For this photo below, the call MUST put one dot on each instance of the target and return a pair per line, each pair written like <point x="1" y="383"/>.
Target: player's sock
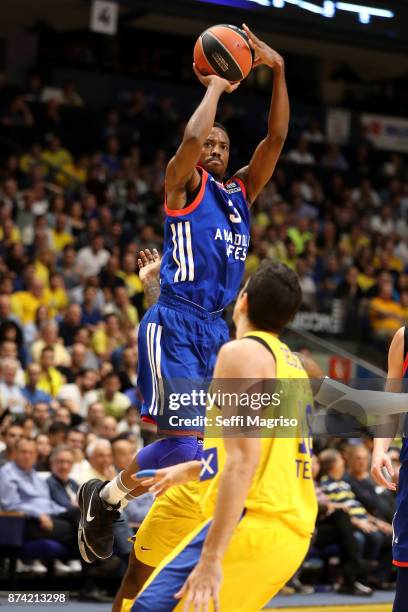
<point x="114" y="491"/>
<point x="129" y="497"/>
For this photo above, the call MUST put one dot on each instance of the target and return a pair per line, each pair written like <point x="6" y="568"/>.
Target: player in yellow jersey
<point x="257" y="505"/>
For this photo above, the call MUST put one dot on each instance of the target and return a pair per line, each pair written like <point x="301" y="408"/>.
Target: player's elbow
<point x="277" y="138"/>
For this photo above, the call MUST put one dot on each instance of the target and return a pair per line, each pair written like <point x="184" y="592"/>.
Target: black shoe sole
<point x="84" y="551"/>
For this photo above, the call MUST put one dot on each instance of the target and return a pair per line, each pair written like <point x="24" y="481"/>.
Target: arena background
<point x="93" y="100"/>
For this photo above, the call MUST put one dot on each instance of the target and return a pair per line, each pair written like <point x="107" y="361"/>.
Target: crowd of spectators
<point x="71" y="226"/>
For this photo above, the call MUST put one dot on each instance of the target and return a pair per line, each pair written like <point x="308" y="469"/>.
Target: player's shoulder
<point x="397" y="343"/>
<point x="243" y="351"/>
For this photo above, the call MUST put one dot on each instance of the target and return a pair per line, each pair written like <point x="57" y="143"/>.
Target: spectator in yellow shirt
<point x="108" y="336"/>
<point x="45" y="261"/>
<point x="24" y="304"/>
<point x="51" y="380"/>
<point x="75" y="171"/>
<point x="55" y="295"/>
<point x="386" y="260"/>
<point x="290" y="258"/>
<point x="355" y="240"/>
<point x="122" y="307"/>
<point x="60" y="236"/>
<point x="114" y="402"/>
<point x="300" y="234"/>
<point x="49" y="337"/>
<point x="404" y="304"/>
<point x="366" y="278"/>
<point x="386" y="314"/>
<point x="9" y="233"/>
<point x="33" y="159"/>
<point x="130" y="274"/>
<point x="56" y="156"/>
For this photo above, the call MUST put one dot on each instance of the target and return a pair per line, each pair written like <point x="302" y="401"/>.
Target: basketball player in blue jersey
<point x="206" y="240"/>
<point x="397" y="372"/>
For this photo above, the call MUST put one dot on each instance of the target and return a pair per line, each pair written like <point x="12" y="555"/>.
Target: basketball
<point x="224" y="50"/>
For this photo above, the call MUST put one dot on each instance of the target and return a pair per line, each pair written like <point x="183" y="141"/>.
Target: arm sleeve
<point x="340" y="397"/>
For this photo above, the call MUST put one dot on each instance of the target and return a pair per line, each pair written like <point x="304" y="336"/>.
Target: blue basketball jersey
<point x="400" y="520"/>
<point x="404" y="448"/>
<point x="206" y="244"/>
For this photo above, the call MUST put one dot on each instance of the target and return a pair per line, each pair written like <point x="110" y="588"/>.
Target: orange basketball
<point x="224" y="50"/>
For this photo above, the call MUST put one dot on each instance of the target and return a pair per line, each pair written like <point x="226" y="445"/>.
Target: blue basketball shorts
<point x="178" y="345"/>
<point x="170" y="451"/>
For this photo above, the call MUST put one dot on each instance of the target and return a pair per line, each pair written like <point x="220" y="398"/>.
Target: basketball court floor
<point x="317" y="602"/>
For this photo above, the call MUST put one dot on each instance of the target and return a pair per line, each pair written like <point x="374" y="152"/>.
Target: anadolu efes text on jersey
<point x="206" y="244"/>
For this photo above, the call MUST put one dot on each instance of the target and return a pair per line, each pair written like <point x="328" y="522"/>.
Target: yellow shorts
<point x="171" y="517"/>
<point x="262" y="556"/>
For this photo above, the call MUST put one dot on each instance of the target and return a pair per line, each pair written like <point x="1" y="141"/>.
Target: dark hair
<point x="327" y="459"/>
<point x="219" y="125"/>
<point x="6" y="325"/>
<point x="120" y="437"/>
<point x="108" y="376"/>
<point x="62" y="448"/>
<point x="131" y="407"/>
<point x="76" y="430"/>
<point x="22" y="420"/>
<point x="58" y="427"/>
<point x="274" y="296"/>
<point x="46" y="348"/>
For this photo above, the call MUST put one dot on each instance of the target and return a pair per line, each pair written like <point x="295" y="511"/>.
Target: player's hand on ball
<point x="209" y="79"/>
<point x="264" y="54"/>
<point x="202" y="587"/>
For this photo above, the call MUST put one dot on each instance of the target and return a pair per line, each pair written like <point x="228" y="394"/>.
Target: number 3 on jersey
<point x="235" y="217"/>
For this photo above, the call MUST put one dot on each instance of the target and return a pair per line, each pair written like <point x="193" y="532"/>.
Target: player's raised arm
<point x="181" y="173"/>
<point x="260" y="169"/>
<point x="380" y="458"/>
<point x="149" y="274"/>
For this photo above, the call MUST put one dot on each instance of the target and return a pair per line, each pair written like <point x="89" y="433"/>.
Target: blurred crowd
<point x="71" y="225"/>
<point x="353" y="532"/>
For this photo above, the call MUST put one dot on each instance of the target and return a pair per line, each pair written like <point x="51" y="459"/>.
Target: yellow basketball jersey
<point x="282" y="487"/>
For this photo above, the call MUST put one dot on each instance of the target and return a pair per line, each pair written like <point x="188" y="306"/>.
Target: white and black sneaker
<point x="95" y="531"/>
